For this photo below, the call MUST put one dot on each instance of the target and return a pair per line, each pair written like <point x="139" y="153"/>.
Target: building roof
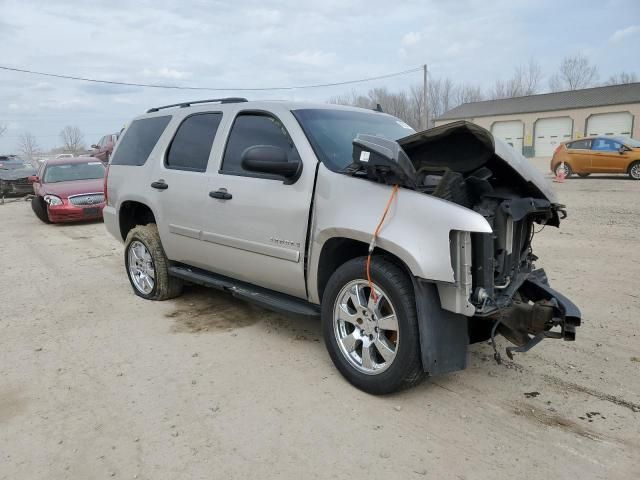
<point x="547" y="102"/>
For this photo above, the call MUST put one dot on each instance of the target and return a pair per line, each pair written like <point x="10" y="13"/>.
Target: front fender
<point x="416" y="229"/>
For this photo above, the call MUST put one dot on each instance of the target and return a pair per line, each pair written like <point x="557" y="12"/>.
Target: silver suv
<point x="409" y="246"/>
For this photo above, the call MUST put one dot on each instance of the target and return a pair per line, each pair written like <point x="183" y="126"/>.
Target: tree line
<point x="575" y="72"/>
<point x="72" y="142"/>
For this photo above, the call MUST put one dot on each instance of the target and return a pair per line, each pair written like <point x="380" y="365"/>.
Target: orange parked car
<point x="598" y="155"/>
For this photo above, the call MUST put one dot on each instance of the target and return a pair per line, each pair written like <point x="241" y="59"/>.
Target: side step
<point x="264" y="297"/>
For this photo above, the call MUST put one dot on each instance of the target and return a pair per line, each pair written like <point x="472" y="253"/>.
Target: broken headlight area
<point x="496" y="284"/>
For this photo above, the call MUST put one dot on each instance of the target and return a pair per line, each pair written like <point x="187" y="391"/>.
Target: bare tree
<point x="525" y="81"/>
<point x="28" y="146"/>
<point x="442" y="95"/>
<point x="72" y="139"/>
<point x="466" y="93"/>
<point x="531" y="77"/>
<point x="575" y="72"/>
<point x="3" y="128"/>
<point x="621" y="78"/>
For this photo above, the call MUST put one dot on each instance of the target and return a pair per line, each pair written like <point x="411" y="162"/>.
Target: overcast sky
<point x="278" y="43"/>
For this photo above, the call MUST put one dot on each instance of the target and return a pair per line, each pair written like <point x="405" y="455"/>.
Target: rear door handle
<point x="159" y="185"/>
<point x="221" y="194"/>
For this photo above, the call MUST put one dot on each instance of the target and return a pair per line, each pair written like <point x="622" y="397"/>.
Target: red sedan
<point x="69" y="190"/>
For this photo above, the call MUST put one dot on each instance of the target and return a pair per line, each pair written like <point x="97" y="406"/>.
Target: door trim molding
<point x="254" y="247"/>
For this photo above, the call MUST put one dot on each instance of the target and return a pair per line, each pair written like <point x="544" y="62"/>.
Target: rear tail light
<point x="106" y="194"/>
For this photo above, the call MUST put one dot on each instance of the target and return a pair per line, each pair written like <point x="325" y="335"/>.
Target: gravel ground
<point x="98" y="383"/>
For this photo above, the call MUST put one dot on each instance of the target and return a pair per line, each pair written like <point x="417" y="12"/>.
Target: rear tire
<point x="39" y="207"/>
<point x="145" y="240"/>
<point x="401" y="366"/>
<point x="634" y="171"/>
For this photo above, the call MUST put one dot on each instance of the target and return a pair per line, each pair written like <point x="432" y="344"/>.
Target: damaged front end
<point x="14" y="177"/>
<point x="496" y="283"/>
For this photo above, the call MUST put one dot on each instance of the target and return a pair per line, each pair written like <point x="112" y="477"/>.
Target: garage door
<point x="618" y="124"/>
<point x="549" y="132"/>
<point x="511" y="132"/>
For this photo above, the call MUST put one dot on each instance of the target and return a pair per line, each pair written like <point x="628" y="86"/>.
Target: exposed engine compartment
<point x="462" y="163"/>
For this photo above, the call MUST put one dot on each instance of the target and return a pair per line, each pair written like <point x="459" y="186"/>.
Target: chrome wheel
<point x="565" y="169"/>
<point x="635" y="171"/>
<point x="366" y="328"/>
<point x="141" y="268"/>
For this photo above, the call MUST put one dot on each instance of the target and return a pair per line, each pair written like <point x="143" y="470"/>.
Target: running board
<point x="264" y="297"/>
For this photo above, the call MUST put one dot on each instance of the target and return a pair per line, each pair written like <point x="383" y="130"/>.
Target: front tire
<point x="148" y="266"/>
<point x="373" y="343"/>
<point x="39" y="207"/>
<point x="634" y="171"/>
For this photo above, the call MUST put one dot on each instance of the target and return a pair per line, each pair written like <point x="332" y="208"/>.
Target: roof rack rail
<point x="188" y="104"/>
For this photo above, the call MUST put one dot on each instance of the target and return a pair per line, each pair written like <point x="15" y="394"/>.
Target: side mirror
<point x="622" y="150"/>
<point x="33" y="179"/>
<point x="95" y="146"/>
<point x="271" y="160"/>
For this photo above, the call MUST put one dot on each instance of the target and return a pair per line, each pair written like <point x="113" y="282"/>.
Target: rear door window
<point x="191" y="145"/>
<point x="579" y="145"/>
<point x="139" y="140"/>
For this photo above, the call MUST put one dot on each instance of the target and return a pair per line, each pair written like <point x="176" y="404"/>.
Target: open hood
<point x="460" y="149"/>
<point x="465" y="147"/>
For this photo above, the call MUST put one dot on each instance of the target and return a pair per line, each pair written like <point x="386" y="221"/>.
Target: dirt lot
<point x="97" y="383"/>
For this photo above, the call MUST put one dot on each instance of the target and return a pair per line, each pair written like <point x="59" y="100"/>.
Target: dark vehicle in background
<point x="14" y="174"/>
<point x="598" y="155"/>
<point x="69" y="190"/>
<point x="104" y="148"/>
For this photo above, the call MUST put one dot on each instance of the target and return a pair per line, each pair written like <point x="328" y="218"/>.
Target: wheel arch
<point x="132" y="213"/>
<point x="336" y="251"/>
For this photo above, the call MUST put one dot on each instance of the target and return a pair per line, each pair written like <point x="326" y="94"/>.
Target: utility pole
<point x="424" y="97"/>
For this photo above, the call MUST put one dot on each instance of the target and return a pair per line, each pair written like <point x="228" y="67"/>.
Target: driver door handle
<point x="221" y="194"/>
<point x="159" y="185"/>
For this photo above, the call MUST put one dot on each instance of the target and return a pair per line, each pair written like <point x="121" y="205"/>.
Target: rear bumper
<point x="71" y="213"/>
<point x="110" y="217"/>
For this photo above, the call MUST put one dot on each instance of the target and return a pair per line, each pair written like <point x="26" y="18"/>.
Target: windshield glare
<point x="630" y="142"/>
<point x="67" y="172"/>
<point x="331" y="132"/>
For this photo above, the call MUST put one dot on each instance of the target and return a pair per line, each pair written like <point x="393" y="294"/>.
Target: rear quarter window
<point x="142" y="135"/>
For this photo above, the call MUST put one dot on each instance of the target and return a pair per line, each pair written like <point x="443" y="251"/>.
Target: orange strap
<point x="372" y="245"/>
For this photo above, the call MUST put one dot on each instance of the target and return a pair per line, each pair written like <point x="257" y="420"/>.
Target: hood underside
<point x="465" y="147"/>
<point x="460" y="147"/>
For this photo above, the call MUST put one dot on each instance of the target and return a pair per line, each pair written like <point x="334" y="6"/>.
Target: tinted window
<point x="579" y="144"/>
<point x="67" y="172"/>
<point x="191" y="146"/>
<point x="138" y="141"/>
<point x="605" y="145"/>
<point x="254" y="129"/>
<point x="331" y="132"/>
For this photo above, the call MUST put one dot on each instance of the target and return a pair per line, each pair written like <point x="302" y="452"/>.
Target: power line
<point x="239" y="89"/>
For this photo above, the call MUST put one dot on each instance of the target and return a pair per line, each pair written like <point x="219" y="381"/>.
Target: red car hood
<point x="76" y="187"/>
